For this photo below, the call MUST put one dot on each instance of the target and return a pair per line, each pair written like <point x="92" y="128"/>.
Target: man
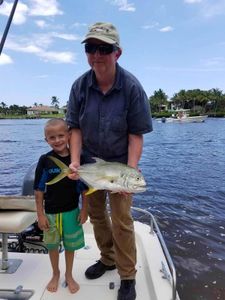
<point x="108" y="113"/>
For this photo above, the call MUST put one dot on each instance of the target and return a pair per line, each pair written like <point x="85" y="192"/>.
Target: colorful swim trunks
<point x="64" y="227"/>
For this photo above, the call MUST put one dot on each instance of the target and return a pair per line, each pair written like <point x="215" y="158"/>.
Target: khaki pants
<point x="114" y="238"/>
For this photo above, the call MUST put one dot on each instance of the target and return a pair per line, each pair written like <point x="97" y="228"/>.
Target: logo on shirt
<point x="54" y="171"/>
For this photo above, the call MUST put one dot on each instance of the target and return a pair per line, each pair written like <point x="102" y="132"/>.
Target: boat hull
<point x="195" y="119"/>
<point x="153" y="281"/>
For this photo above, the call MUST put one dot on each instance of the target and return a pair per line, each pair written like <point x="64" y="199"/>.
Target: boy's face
<point x="57" y="136"/>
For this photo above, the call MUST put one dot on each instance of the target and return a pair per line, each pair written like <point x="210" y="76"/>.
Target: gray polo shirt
<point x="105" y="120"/>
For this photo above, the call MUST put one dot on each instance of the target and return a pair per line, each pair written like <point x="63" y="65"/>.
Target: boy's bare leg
<point x="53" y="283"/>
<point x="72" y="284"/>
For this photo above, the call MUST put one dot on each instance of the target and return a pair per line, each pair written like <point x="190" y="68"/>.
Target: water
<point x="184" y="165"/>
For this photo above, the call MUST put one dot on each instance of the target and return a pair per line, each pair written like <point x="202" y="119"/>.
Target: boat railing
<point x="154" y="228"/>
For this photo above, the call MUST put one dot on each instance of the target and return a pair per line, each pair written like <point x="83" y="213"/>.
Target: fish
<point x="102" y="175"/>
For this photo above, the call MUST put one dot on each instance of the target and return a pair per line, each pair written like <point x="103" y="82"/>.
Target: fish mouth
<point x="140" y="188"/>
<point x="143" y="185"/>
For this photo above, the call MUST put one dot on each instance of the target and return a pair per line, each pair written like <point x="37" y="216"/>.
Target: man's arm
<point x="135" y="146"/>
<point x="84" y="209"/>
<point x="75" y="151"/>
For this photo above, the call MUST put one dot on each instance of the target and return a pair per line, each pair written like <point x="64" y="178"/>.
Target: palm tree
<point x="179" y="99"/>
<point x="218" y="98"/>
<point x="158" y="100"/>
<point x="3" y="107"/>
<point x="55" y="101"/>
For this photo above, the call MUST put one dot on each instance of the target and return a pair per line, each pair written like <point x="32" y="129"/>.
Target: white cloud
<point x="124" y="5"/>
<point x="44" y="8"/>
<point x="43" y="76"/>
<point x="40" y="40"/>
<point x="31" y="47"/>
<point x="66" y="36"/>
<point x="20" y="14"/>
<point x="57" y="57"/>
<point x="187" y="69"/>
<point x="209" y="8"/>
<point x="45" y="25"/>
<point x="214" y="61"/>
<point x="36" y="8"/>
<point x="151" y="26"/>
<point x="22" y="47"/>
<point x="77" y="24"/>
<point x="192" y="1"/>
<point x="166" y="29"/>
<point x="41" y="24"/>
<point x="5" y="59"/>
<point x="213" y="8"/>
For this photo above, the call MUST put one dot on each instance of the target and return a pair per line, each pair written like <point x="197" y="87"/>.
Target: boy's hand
<point x="74" y="171"/>
<point x="82" y="218"/>
<point x="43" y="223"/>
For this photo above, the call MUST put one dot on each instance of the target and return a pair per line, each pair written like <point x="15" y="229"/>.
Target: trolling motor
<point x="8" y="24"/>
<point x="28" y="181"/>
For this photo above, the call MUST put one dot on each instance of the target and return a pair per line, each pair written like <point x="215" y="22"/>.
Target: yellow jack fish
<point x="102" y="175"/>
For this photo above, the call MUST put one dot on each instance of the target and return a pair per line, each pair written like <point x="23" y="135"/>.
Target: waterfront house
<point x="42" y="109"/>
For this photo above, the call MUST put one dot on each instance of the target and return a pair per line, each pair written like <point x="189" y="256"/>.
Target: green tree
<point x="55" y="101"/>
<point x="158" y="101"/>
<point x="3" y="107"/>
<point x="218" y="99"/>
<point x="179" y="99"/>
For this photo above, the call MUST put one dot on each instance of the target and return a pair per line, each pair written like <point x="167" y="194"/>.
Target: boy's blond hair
<point x="54" y="122"/>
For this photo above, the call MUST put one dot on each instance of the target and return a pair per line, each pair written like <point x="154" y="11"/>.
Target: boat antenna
<point x="8" y="24"/>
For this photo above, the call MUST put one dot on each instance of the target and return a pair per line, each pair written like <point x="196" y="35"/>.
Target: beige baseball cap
<point x="105" y="32"/>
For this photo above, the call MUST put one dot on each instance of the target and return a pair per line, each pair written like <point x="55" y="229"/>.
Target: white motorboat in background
<point x="182" y="116"/>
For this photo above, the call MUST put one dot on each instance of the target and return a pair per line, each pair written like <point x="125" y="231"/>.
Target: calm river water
<point x="184" y="165"/>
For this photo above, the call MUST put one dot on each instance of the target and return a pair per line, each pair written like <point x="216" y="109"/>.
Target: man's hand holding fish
<point x="74" y="171"/>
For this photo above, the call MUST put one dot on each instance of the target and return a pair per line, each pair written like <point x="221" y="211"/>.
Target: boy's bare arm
<point x="43" y="223"/>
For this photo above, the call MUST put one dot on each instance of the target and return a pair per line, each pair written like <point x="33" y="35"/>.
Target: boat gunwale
<point x="154" y="228"/>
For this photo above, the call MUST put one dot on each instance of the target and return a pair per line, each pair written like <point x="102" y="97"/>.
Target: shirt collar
<point x="117" y="85"/>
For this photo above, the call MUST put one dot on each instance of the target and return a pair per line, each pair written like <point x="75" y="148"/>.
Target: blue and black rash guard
<point x="61" y="196"/>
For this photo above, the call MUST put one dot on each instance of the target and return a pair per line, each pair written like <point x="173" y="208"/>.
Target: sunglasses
<point x="103" y="49"/>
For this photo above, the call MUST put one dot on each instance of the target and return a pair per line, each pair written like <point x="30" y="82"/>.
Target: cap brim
<point x="103" y="39"/>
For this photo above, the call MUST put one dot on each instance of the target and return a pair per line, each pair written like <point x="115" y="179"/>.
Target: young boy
<point x="57" y="205"/>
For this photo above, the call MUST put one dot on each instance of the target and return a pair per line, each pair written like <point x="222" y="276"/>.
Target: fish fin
<point x="90" y="191"/>
<point x="63" y="167"/>
<point x="57" y="178"/>
<point x="59" y="163"/>
<point x="99" y="160"/>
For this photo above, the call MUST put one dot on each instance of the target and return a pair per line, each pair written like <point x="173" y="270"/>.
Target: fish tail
<point x="64" y="170"/>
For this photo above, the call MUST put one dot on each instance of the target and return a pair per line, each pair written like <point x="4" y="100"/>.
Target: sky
<point x="167" y="44"/>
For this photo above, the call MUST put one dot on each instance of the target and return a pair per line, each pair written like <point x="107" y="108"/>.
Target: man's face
<point x="101" y="61"/>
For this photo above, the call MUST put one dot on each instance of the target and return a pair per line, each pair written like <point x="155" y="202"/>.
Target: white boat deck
<point x="35" y="272"/>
